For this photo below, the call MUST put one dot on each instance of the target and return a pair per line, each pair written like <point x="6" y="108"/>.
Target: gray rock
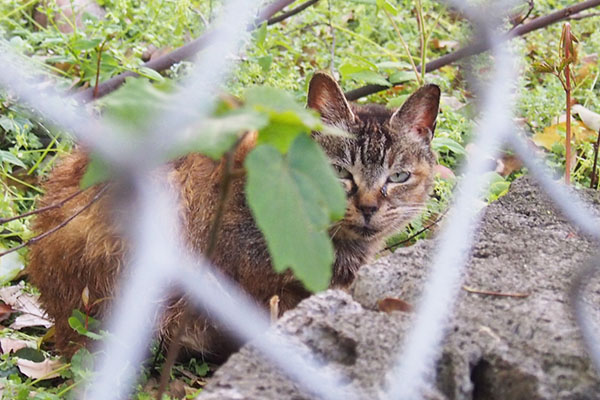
<point x="497" y="347"/>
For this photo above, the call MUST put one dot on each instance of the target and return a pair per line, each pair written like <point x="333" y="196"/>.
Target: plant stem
<point x="594" y="180"/>
<point x="567" y="46"/>
<point x="412" y="62"/>
<point x="421" y="25"/>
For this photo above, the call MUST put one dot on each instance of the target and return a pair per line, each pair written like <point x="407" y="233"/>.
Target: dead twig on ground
<point x="494" y="293"/>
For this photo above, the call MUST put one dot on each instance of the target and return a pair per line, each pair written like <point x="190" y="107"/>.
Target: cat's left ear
<point x="327" y="97"/>
<point x="418" y="114"/>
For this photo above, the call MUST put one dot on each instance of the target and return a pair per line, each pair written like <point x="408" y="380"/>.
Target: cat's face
<point x="386" y="165"/>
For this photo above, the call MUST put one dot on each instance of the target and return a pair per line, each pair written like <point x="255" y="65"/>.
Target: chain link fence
<point x="160" y="260"/>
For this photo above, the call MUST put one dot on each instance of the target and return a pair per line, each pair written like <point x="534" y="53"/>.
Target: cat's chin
<point x="362" y="231"/>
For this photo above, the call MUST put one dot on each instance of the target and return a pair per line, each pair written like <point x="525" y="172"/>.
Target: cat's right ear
<point x="327" y="97"/>
<point x="418" y="114"/>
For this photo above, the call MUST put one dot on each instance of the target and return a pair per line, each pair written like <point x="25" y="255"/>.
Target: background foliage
<point x="357" y="40"/>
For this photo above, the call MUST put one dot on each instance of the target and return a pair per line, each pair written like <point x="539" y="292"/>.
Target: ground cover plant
<point x="359" y="41"/>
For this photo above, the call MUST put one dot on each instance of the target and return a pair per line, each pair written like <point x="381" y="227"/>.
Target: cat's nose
<point x="367" y="211"/>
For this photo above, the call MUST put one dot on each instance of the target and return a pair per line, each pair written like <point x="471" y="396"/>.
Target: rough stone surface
<point x="497" y="347"/>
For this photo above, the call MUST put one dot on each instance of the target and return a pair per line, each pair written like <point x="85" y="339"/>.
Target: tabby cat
<point x="385" y="165"/>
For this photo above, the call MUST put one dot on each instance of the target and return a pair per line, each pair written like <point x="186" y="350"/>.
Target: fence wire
<point x="160" y="260"/>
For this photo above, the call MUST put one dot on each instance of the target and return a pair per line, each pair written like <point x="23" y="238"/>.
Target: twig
<point x="527" y="14"/>
<point x="59" y="226"/>
<point x="98" y="61"/>
<point x="185" y="52"/>
<point x="412" y="62"/>
<point x="493" y="293"/>
<point x="293" y="11"/>
<point x="594" y="182"/>
<point x="43" y="209"/>
<point x="175" y="345"/>
<point x="568" y="42"/>
<point x="332" y="32"/>
<point x="481" y="46"/>
<point x="580" y="16"/>
<point x="400" y="243"/>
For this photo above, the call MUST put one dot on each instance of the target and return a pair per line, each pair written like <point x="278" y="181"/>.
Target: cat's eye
<point x="399" y="177"/>
<point x="342" y="172"/>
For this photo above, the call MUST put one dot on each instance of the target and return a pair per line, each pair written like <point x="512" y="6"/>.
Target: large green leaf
<point x="215" y="135"/>
<point x="294" y="198"/>
<point x="287" y="118"/>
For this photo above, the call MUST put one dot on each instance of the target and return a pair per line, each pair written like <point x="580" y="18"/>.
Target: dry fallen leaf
<point x="10" y="345"/>
<point x="42" y="370"/>
<point x="5" y="311"/>
<point x="552" y="134"/>
<point x="390" y="304"/>
<point x="33" y="315"/>
<point x="507" y="164"/>
<point x="590" y="119"/>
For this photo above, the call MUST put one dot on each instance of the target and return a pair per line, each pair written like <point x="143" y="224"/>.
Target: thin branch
<point x="410" y="58"/>
<point x="332" y="32"/>
<point x="400" y="243"/>
<point x="527" y="14"/>
<point x="58" y="204"/>
<point x="494" y="293"/>
<point x="185" y="52"/>
<point x="567" y="44"/>
<point x="481" y="46"/>
<point x="213" y="236"/>
<point x="293" y="11"/>
<point x="98" y="62"/>
<point x="59" y="226"/>
<point x="581" y="16"/>
<point x="594" y="182"/>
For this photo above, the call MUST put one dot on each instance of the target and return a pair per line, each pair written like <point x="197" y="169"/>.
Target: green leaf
<point x="293" y="199"/>
<point x="150" y="74"/>
<point x="10" y="158"/>
<point x="287" y="118"/>
<point x="10" y="265"/>
<point x="387" y="6"/>
<point x="202" y="369"/>
<point x="269" y="98"/>
<point x="97" y="171"/>
<point x="447" y="144"/>
<point x="85" y="44"/>
<point x="135" y="103"/>
<point x="77" y="322"/>
<point x="348" y="69"/>
<point x="370" y="77"/>
<point x="82" y="365"/>
<point x="498" y="186"/>
<point x="216" y="135"/>
<point x="397" y="101"/>
<point x="402" y="76"/>
<point x="261" y="35"/>
<point x="283" y="128"/>
<point x="31" y="354"/>
<point x="393" y="65"/>
<point x="265" y="62"/>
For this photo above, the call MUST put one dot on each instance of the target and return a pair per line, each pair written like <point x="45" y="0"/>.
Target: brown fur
<point x="89" y="251"/>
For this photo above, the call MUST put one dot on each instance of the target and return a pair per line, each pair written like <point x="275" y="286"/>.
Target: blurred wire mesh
<point x="156" y="247"/>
